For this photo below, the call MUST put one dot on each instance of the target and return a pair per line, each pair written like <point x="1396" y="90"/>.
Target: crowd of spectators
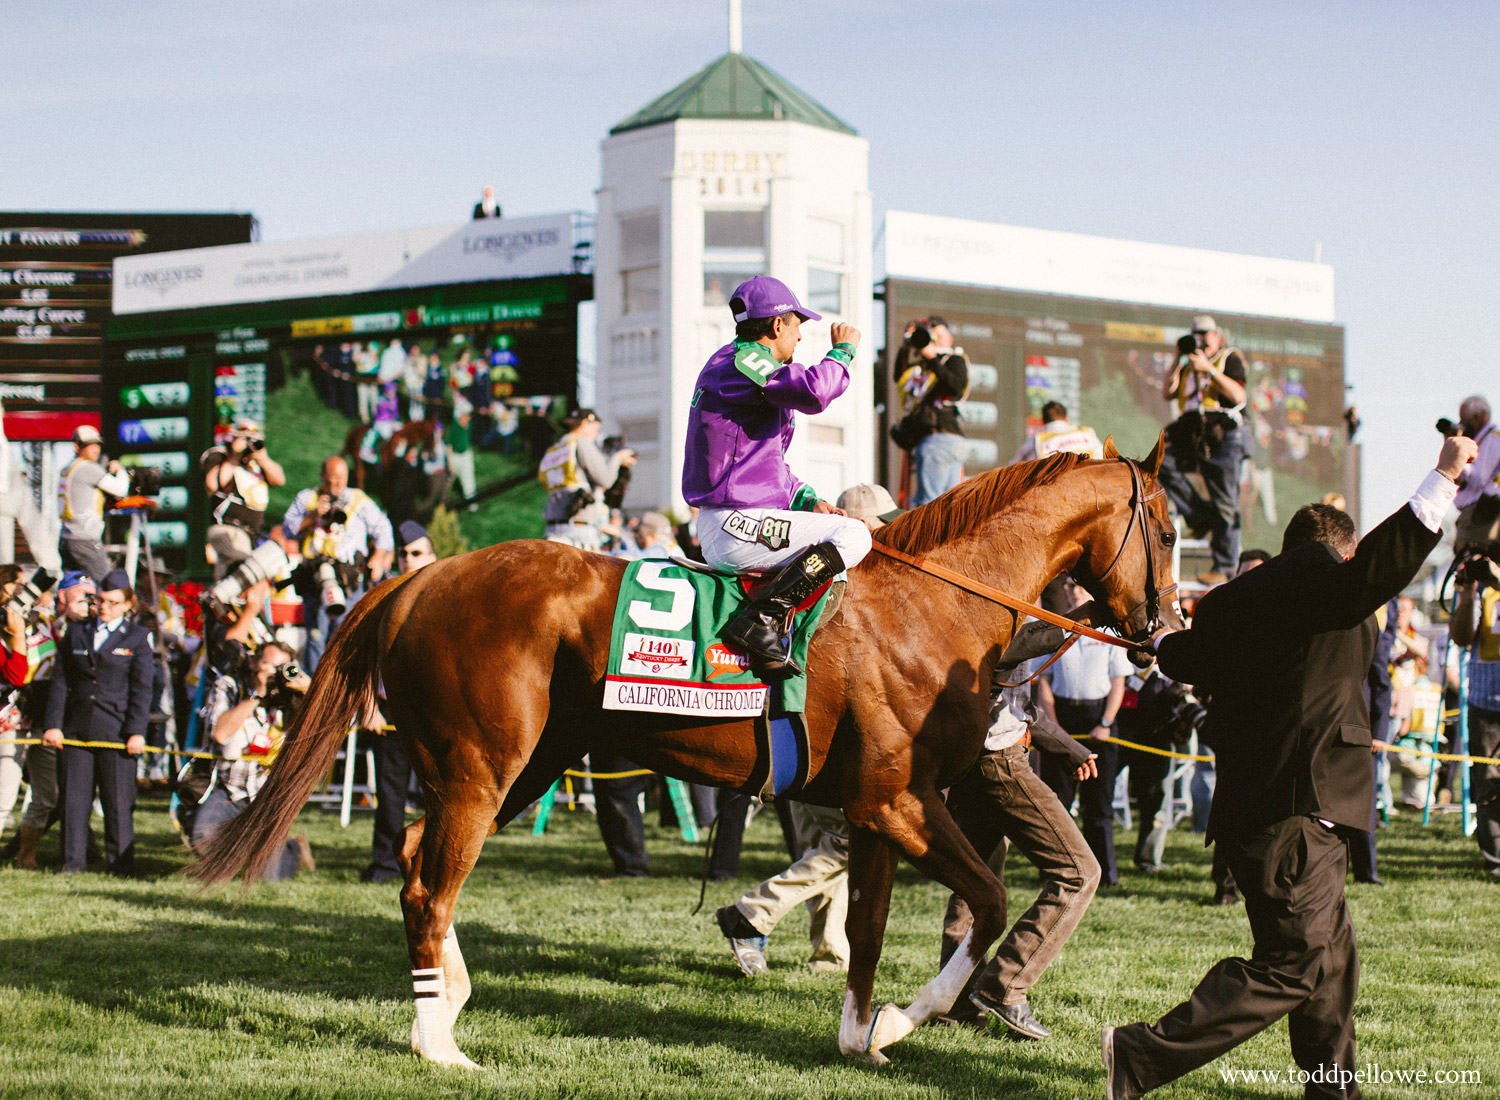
<point x="97" y="660"/>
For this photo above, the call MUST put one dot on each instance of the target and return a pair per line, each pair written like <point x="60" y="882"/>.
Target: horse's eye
<point x="1169" y="539"/>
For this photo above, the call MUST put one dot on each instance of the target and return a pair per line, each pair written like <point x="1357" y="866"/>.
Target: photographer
<point x="1478" y="499"/>
<point x="238" y="475"/>
<point x="74" y="602"/>
<point x="576" y="474"/>
<point x="1474" y="627"/>
<point x="933" y="376"/>
<point x="101" y="691"/>
<point x="245" y="714"/>
<point x="85" y="484"/>
<point x="1209" y="436"/>
<point x="14" y="666"/>
<point x="335" y="526"/>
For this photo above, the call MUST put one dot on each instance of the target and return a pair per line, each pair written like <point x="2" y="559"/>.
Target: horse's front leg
<point x="931" y="840"/>
<point x="872" y="869"/>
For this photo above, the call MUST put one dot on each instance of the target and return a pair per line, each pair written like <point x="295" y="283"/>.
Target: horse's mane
<point x="962" y="509"/>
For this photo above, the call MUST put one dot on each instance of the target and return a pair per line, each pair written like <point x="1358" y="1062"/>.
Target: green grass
<point x="301" y="432"/>
<point x="586" y="988"/>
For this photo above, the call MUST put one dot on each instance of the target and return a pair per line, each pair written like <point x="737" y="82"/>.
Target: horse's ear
<point x="1110" y="451"/>
<point x="1152" y="462"/>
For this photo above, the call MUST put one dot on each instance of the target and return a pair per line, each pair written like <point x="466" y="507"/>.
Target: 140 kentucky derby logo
<point x="650" y="655"/>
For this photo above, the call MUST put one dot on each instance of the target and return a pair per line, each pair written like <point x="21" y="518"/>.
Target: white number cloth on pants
<point x="767" y="538"/>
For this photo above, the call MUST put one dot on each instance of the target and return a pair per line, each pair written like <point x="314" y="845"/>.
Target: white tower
<point x="732" y="173"/>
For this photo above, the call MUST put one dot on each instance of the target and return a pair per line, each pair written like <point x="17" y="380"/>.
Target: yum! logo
<point x="725" y="662"/>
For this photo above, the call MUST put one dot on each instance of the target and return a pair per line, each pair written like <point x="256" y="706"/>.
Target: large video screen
<point x="175" y="383"/>
<point x="1106" y="361"/>
<point x="55" y="282"/>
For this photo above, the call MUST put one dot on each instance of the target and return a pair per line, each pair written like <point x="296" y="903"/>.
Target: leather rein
<point x="1138" y="502"/>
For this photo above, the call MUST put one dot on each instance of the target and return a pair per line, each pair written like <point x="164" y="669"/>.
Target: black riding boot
<point x="757" y="628"/>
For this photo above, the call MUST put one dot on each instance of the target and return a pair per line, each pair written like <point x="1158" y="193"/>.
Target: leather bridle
<point x="1140" y="517"/>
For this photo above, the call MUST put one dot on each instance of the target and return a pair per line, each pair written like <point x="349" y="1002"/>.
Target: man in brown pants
<point x="1001" y="801"/>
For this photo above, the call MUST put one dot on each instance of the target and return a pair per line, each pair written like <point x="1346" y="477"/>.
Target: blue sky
<point x="1264" y="128"/>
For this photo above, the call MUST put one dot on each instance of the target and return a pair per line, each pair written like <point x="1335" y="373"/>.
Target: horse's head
<point x="1126" y="563"/>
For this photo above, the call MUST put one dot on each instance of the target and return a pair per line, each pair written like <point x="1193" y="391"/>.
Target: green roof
<point x="734" y="86"/>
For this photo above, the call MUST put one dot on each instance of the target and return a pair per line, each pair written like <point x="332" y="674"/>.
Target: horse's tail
<point x="342" y="692"/>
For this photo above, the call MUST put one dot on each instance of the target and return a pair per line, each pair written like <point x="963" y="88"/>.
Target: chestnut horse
<point x="493" y="665"/>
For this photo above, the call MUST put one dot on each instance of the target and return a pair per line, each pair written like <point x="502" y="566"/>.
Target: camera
<point x="1185" y="716"/>
<point x="1448" y="429"/>
<point x="145" y="481"/>
<point x="1190" y="342"/>
<point x="267" y="560"/>
<point x="30" y="591"/>
<point x="335" y="516"/>
<point x="332" y="591"/>
<point x="920" y="336"/>
<point x="1477" y="569"/>
<point x="279" y="692"/>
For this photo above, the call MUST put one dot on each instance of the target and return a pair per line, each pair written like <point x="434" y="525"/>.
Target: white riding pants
<point x="766" y="538"/>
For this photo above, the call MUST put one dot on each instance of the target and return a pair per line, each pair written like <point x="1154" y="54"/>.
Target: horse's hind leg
<point x="872" y="869"/>
<point x="456" y="987"/>
<point x="446" y="846"/>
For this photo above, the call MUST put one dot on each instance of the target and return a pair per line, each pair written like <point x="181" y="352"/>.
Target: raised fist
<point x="843" y="333"/>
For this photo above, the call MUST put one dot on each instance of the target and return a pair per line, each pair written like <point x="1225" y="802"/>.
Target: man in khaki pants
<point x="820" y="879"/>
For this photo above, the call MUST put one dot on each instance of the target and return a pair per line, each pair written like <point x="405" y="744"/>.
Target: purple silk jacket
<point x="742" y="422"/>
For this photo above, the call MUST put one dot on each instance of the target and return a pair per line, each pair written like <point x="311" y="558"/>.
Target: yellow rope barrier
<point x="1204" y="759"/>
<point x="108" y="745"/>
<point x="1443" y="755"/>
<point x="1142" y="748"/>
<point x="608" y="775"/>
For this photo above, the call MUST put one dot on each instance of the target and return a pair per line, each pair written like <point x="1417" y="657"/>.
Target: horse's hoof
<point x="453" y="1058"/>
<point x="869" y="1057"/>
<point x="890" y="1024"/>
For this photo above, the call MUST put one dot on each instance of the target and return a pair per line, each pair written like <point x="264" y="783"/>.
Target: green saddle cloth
<point x="665" y="656"/>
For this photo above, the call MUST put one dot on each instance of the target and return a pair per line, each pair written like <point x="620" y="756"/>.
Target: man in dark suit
<point x="1285" y="649"/>
<point x="101" y="691"/>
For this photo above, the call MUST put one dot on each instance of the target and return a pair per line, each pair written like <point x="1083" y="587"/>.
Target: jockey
<point x="754" y="514"/>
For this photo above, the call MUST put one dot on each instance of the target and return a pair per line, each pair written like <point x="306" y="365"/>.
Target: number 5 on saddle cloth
<point x="665" y="657"/>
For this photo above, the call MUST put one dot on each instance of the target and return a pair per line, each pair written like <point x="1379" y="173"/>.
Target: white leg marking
<point x="434" y="1030"/>
<point x="854" y="1034"/>
<point x="935" y="998"/>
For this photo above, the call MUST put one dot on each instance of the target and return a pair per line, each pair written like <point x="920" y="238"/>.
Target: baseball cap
<point x="72" y="579"/>
<point x="85" y="434"/>
<point x="1204" y="323"/>
<point x="869" y="502"/>
<point x="764" y="296"/>
<point x="655" y="521"/>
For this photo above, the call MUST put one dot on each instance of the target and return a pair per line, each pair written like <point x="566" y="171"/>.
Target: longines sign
<point x="473" y="251"/>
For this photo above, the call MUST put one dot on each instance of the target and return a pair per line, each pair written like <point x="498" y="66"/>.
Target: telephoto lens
<point x="333" y="592"/>
<point x="265" y="563"/>
<point x="30" y="591"/>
